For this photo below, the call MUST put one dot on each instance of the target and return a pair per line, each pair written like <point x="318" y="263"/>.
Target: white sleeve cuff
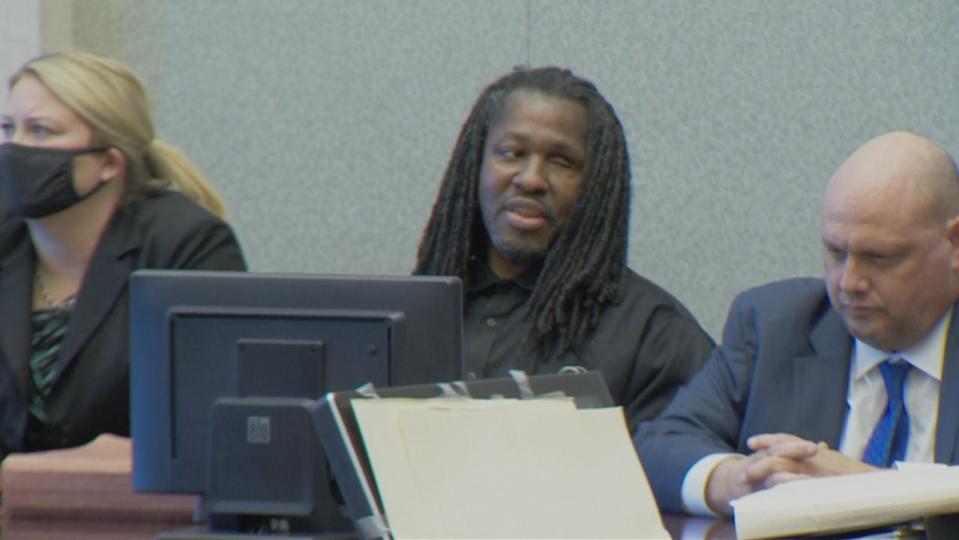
<point x="694" y="485"/>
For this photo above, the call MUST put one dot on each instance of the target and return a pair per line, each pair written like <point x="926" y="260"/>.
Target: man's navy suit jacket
<point x="783" y="367"/>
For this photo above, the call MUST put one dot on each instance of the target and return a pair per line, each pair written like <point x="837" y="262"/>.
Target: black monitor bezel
<point x="154" y="294"/>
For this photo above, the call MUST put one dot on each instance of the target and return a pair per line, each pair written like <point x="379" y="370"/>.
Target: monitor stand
<point x="275" y="502"/>
<point x="202" y="533"/>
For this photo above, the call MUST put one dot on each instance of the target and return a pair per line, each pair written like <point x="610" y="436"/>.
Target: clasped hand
<point x="776" y="458"/>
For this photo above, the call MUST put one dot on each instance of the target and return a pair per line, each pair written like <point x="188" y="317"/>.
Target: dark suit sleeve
<point x="705" y="416"/>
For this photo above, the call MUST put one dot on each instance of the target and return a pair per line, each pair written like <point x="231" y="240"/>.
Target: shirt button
<point x="471" y="376"/>
<point x="491" y="322"/>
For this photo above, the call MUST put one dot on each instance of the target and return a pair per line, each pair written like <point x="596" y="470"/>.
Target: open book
<point x="494" y="468"/>
<point x="848" y="503"/>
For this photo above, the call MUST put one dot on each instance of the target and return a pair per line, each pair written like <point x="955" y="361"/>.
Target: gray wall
<point x="19" y="37"/>
<point x="326" y="124"/>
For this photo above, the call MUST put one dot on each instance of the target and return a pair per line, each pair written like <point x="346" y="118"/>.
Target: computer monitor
<point x="248" y="348"/>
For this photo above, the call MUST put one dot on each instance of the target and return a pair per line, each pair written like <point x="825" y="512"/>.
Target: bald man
<point x="823" y="377"/>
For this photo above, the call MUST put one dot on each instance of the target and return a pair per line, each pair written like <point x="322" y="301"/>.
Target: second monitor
<point x="200" y="339"/>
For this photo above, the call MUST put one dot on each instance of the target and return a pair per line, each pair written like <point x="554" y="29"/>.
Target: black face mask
<point x="36" y="182"/>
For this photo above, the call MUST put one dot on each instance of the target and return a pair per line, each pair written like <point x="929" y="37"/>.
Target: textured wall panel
<point x="19" y="37"/>
<point x="738" y="112"/>
<point x="327" y="124"/>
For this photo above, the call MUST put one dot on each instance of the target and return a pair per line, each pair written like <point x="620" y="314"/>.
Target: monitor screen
<point x="200" y="339"/>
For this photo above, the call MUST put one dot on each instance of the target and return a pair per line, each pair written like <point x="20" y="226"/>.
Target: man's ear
<point x="952" y="234"/>
<point x="114" y="165"/>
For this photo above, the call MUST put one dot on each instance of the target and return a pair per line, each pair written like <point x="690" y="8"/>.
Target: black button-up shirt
<point x="646" y="345"/>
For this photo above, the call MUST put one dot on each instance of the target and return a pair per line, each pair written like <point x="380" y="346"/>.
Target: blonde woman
<point x="87" y="195"/>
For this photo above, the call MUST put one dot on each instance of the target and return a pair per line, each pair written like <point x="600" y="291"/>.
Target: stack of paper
<point x="462" y="468"/>
<point x="847" y="503"/>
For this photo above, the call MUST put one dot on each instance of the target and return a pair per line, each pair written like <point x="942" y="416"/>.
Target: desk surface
<point x="29" y="529"/>
<point x="85" y="493"/>
<point x="679" y="527"/>
<point x="698" y="528"/>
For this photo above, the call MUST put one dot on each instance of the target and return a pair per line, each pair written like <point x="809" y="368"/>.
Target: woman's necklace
<point x="48" y="298"/>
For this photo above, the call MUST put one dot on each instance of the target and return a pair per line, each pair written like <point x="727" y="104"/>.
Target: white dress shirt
<point x="866" y="397"/>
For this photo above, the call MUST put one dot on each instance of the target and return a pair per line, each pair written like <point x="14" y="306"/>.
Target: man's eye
<point x="39" y="130"/>
<point x="882" y="258"/>
<point x="509" y="153"/>
<point x="7" y="129"/>
<point x="562" y="162"/>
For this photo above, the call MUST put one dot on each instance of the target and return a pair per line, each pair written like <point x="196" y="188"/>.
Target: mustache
<point x="855" y="300"/>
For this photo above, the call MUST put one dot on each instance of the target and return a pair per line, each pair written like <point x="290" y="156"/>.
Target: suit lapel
<point x="947" y="429"/>
<point x="16" y="290"/>
<point x="821" y="381"/>
<point x="105" y="279"/>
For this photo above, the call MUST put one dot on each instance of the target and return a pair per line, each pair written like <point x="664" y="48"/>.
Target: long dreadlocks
<point x="584" y="267"/>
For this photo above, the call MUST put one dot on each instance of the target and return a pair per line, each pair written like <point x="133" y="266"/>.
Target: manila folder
<point x="835" y="504"/>
<point x="507" y="469"/>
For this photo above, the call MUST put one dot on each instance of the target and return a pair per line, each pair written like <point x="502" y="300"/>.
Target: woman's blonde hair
<point x="113" y="101"/>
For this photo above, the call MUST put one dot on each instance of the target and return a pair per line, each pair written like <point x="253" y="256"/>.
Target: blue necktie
<point x="891" y="434"/>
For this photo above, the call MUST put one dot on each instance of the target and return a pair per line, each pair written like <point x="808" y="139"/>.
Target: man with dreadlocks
<point x="533" y="215"/>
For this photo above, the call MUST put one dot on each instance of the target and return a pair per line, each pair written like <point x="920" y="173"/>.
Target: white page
<point x="527" y="473"/>
<point x="386" y="448"/>
<point x="847" y="503"/>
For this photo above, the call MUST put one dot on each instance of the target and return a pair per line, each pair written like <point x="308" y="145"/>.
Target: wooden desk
<point x="682" y="527"/>
<point x="84" y="493"/>
<point x="679" y="527"/>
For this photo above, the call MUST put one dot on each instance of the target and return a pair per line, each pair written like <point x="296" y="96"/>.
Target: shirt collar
<point x="927" y="355"/>
<point x="482" y="276"/>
